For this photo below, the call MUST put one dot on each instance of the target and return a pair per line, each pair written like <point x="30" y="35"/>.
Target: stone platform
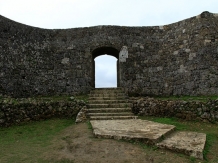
<point x="143" y="130"/>
<point x="190" y="143"/>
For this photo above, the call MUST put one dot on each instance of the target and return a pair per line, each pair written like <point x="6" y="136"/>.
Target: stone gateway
<point x="175" y="59"/>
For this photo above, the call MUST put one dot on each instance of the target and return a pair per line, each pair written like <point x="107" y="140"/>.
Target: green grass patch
<point x="211" y="138"/>
<point x="28" y="141"/>
<point x="171" y="121"/>
<point x="89" y="125"/>
<point x="82" y="97"/>
<point x="54" y="98"/>
<point x="46" y="98"/>
<point x="188" y="98"/>
<point x="34" y="132"/>
<point x="62" y="98"/>
<point x="192" y="159"/>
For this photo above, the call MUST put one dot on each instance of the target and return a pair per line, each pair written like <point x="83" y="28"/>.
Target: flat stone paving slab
<point x="190" y="143"/>
<point x="132" y="129"/>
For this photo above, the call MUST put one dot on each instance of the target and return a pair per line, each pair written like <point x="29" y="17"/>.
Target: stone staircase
<point x="109" y="104"/>
<point x="111" y="116"/>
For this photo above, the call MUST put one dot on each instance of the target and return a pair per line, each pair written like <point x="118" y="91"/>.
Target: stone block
<point x="190" y="143"/>
<point x="147" y="131"/>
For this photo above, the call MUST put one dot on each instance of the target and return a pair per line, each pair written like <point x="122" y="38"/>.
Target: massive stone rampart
<point x="175" y="59"/>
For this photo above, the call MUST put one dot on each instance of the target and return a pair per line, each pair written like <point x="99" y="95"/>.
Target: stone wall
<point x="16" y="111"/>
<point x="188" y="110"/>
<point x="180" y="59"/>
<point x="175" y="59"/>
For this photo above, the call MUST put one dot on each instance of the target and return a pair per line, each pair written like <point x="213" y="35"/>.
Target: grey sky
<point x="84" y="13"/>
<point x="106" y="71"/>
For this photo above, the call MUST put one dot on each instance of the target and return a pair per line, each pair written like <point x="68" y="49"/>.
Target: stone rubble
<point x="81" y="116"/>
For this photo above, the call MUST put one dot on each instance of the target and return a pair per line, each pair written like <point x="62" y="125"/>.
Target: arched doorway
<point x="102" y="51"/>
<point x="105" y="71"/>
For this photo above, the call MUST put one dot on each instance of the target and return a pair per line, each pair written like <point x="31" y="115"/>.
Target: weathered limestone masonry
<point x="188" y="110"/>
<point x="175" y="59"/>
<point x="16" y="111"/>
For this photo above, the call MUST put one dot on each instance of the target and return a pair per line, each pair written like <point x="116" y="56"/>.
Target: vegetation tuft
<point x="89" y="125"/>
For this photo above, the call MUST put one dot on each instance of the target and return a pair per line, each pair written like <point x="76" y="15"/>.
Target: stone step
<point x="105" y="110"/>
<point x="107" y="101"/>
<point x="109" y="104"/>
<point x="111" y="117"/>
<point x="189" y="143"/>
<point x="118" y="105"/>
<point x="110" y="88"/>
<point x="108" y="98"/>
<point x="101" y="90"/>
<point x="111" y="114"/>
<point x="107" y="95"/>
<point x="132" y="129"/>
<point x="105" y="91"/>
<point x="152" y="133"/>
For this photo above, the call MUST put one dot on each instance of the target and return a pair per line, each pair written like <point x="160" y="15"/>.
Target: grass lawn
<point x="27" y="142"/>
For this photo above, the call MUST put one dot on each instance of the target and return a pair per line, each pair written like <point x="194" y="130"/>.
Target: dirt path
<point x="77" y="143"/>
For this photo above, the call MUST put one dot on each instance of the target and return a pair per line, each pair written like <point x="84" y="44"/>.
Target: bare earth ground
<point x="76" y="143"/>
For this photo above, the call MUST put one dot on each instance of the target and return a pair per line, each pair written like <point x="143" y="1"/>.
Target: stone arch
<point x="101" y="51"/>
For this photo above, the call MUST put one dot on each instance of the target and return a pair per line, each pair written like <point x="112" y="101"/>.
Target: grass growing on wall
<point x="48" y="98"/>
<point x="188" y="98"/>
<point x="62" y="98"/>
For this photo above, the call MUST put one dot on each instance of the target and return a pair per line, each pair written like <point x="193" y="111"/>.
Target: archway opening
<point x="99" y="52"/>
<point x="105" y="71"/>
